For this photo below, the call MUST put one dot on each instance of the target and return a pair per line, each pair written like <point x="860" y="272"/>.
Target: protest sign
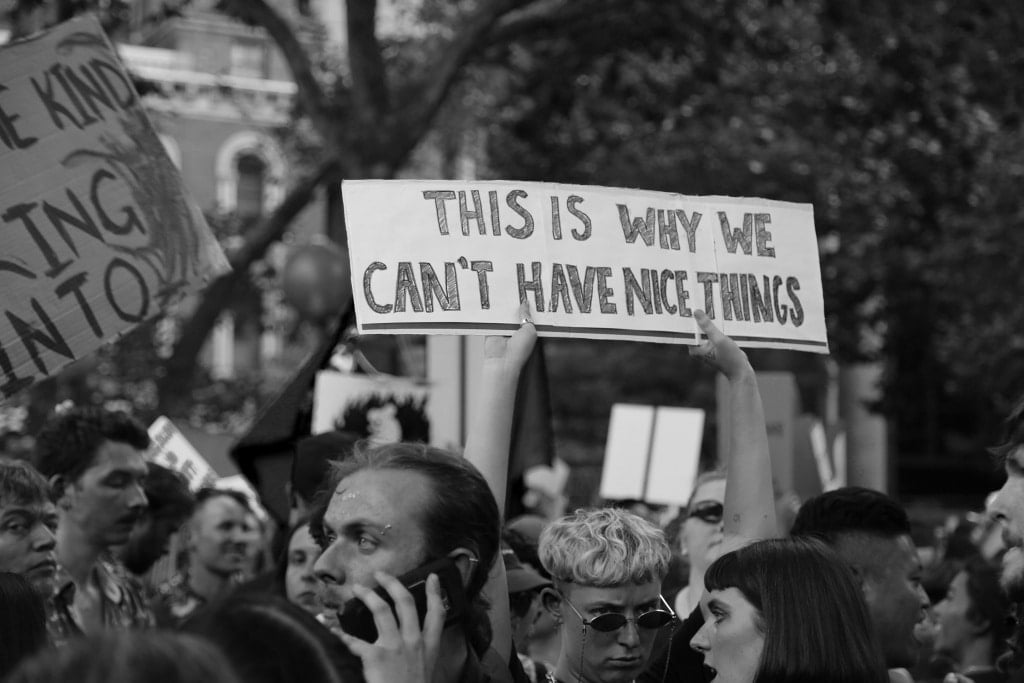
<point x="172" y="450"/>
<point x="382" y="408"/>
<point x="458" y="257"/>
<point x="652" y="453"/>
<point x="98" y="233"/>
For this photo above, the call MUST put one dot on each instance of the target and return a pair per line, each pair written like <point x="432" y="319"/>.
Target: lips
<point x="47" y="566"/>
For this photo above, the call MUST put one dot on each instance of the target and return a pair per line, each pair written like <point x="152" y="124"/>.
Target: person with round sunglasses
<point x="700" y="536"/>
<point x="607" y="566"/>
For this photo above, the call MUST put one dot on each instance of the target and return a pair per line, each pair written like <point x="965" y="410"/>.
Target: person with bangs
<point x="787" y="611"/>
<point x="607" y="566"/>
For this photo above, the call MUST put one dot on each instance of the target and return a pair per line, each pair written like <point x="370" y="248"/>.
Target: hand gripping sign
<point x="456" y="257"/>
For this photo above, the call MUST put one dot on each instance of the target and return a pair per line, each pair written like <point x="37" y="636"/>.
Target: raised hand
<point x="511" y="353"/>
<point x="720" y="351"/>
<point x="403" y="651"/>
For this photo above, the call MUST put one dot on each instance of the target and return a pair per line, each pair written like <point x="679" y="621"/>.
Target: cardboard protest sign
<point x="652" y="453"/>
<point x="458" y="257"/>
<point x="172" y="450"/>
<point x="383" y="409"/>
<point x="97" y="232"/>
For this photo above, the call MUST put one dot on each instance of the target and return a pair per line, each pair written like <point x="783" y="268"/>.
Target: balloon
<point x="316" y="281"/>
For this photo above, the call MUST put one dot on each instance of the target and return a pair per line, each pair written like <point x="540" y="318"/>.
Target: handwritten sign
<point x="97" y="232"/>
<point x="172" y="450"/>
<point x="458" y="257"/>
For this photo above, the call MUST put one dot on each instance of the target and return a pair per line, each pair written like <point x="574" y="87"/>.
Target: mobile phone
<point x="356" y="619"/>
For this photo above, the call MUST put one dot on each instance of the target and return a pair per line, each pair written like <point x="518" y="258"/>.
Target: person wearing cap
<point x="311" y="466"/>
<point x="525" y="587"/>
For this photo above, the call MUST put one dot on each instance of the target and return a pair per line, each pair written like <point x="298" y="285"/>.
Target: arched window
<point x="252" y="179"/>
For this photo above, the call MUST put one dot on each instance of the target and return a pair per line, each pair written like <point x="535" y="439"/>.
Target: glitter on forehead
<point x="345" y="494"/>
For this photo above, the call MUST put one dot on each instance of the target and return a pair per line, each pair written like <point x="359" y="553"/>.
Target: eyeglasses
<point x="709" y="511"/>
<point x="613" y="621"/>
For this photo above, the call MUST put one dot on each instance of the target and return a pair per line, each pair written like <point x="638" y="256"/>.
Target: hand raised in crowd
<point x="403" y="651"/>
<point x="720" y="351"/>
<point x="511" y="353"/>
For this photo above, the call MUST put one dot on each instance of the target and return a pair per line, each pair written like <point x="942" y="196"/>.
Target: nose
<point x="629" y="634"/>
<point x="328" y="571"/>
<point x="138" y="500"/>
<point x="43" y="539"/>
<point x="700" y="641"/>
<point x="997" y="508"/>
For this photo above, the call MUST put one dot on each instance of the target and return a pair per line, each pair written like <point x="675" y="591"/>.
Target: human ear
<point x="61" y="492"/>
<point x="552" y="602"/>
<point x="466" y="562"/>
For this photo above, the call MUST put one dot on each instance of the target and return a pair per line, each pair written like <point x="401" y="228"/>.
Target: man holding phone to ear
<point x="397" y="507"/>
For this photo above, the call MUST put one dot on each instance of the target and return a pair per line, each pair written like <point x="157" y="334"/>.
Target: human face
<point x="955" y="629"/>
<point x="614" y="657"/>
<point x="27" y="542"/>
<point x="895" y="598"/>
<point x="1007" y="509"/>
<point x="300" y="583"/>
<point x="105" y="502"/>
<point x="732" y="638"/>
<point x="701" y="541"/>
<point x="372" y="524"/>
<point x="220" y="535"/>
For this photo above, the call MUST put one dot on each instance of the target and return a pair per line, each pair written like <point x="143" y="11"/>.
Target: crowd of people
<point x="396" y="565"/>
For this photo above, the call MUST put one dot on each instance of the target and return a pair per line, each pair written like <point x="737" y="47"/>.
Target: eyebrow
<point x="715" y="603"/>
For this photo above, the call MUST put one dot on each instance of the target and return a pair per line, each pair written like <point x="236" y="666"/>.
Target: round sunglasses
<point x="613" y="621"/>
<point x="709" y="511"/>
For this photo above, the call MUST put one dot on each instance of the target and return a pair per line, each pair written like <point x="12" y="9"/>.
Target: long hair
<point x="813" y="616"/>
<point x="154" y="656"/>
<point x="22" y="621"/>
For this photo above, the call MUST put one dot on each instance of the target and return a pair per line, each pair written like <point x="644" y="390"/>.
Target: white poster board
<point x="652" y="453"/>
<point x="458" y="257"/>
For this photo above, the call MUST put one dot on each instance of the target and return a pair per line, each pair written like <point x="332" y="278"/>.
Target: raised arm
<point x="749" y="498"/>
<point x="488" y="444"/>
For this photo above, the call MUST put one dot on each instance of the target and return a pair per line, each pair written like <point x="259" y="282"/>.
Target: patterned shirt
<point x="121" y="606"/>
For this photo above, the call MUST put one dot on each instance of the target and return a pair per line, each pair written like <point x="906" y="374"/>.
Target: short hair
<point x="208" y="493"/>
<point x="129" y="656"/>
<point x="311" y="464"/>
<point x="22" y="621"/>
<point x="68" y="442"/>
<point x="1013" y="432"/>
<point x="21" y="484"/>
<point x="270" y="640"/>
<point x="604" y="547"/>
<point x="167" y="492"/>
<point x="813" y="617"/>
<point x="851" y="510"/>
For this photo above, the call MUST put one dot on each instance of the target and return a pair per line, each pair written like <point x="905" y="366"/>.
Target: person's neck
<point x="452" y="655"/>
<point x="76" y="554"/>
<point x="976" y="654"/>
<point x="205" y="582"/>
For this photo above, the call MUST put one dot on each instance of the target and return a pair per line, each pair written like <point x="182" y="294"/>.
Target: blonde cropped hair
<point x="604" y="547"/>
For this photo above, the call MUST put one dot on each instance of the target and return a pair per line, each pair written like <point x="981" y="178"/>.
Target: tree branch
<point x="180" y="367"/>
<point x="366" y="63"/>
<point x="419" y="108"/>
<point x="311" y="94"/>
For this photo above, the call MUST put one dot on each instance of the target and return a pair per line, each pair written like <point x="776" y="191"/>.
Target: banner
<point x="457" y="257"/>
<point x="98" y="234"/>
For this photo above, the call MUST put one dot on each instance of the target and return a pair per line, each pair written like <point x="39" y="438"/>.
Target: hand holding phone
<point x="356" y="618"/>
<point x="405" y="650"/>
